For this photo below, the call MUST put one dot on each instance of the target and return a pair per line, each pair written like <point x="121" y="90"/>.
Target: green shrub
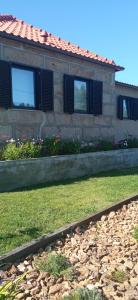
<point x="70" y="147"/>
<point x="118" y="276"/>
<point x="105" y="145"/>
<point x="135" y="234"/>
<point x="51" y="146"/>
<point x="10" y="152"/>
<point x="132" y="143"/>
<point x="25" y="150"/>
<point x="29" y="150"/>
<point x="9" y="290"/>
<point x="54" y="264"/>
<point x="84" y="294"/>
<point x="1" y="153"/>
<point x="69" y="273"/>
<point x="87" y="149"/>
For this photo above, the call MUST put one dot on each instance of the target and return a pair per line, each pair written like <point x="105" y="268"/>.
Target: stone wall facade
<point x="33" y="123"/>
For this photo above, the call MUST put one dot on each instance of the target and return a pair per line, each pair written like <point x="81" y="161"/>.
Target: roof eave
<point x="37" y="44"/>
<point x="119" y="83"/>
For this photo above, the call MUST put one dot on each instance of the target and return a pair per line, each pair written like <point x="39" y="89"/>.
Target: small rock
<point x="32" y="275"/>
<point x="26" y="263"/>
<point x="84" y="271"/>
<point x="136" y="268"/>
<point x="103" y="218"/>
<point x="111" y="215"/>
<point x="126" y="284"/>
<point x="29" y="268"/>
<point x="90" y="286"/>
<point x="134" y="281"/>
<point x="66" y="285"/>
<point x="78" y="230"/>
<point x="54" y="289"/>
<point x="35" y="290"/>
<point x="128" y="264"/>
<point x="59" y="243"/>
<point x="13" y="270"/>
<point x="45" y="291"/>
<point x="74" y="259"/>
<point x="21" y="267"/>
<point x="73" y="242"/>
<point x="20" y="296"/>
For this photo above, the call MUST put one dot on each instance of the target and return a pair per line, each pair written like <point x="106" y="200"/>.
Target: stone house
<point x="49" y="86"/>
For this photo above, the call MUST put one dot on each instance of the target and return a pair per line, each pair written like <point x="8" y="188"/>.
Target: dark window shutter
<point x="133" y="109"/>
<point x="44" y="93"/>
<point x="120" y="108"/>
<point x="136" y="109"/>
<point x="68" y="94"/>
<point x="5" y="84"/>
<point x="95" y="97"/>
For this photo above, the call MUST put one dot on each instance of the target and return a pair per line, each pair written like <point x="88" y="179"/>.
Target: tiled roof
<point x="126" y="84"/>
<point x="13" y="27"/>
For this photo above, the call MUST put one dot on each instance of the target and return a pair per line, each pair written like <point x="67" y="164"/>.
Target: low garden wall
<point x="23" y="173"/>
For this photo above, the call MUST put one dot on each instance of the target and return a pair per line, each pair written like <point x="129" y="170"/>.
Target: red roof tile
<point x="12" y="26"/>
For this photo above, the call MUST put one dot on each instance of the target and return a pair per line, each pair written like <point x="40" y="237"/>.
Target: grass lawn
<point x="32" y="212"/>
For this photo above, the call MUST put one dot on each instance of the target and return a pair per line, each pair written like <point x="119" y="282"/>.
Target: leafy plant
<point x="135" y="234"/>
<point x="1" y="153"/>
<point x="104" y="145"/>
<point x="70" y="147"/>
<point x="54" y="264"/>
<point x="84" y="294"/>
<point x="87" y="149"/>
<point x="9" y="290"/>
<point x="118" y="276"/>
<point x="24" y="150"/>
<point x="69" y="273"/>
<point x="51" y="146"/>
<point x="132" y="143"/>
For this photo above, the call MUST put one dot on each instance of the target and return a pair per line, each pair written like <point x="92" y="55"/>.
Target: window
<point x="126" y="109"/>
<point x="80" y="96"/>
<point x="23" y="88"/>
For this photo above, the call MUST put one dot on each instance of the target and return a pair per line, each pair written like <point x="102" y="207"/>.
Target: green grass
<point x="30" y="213"/>
<point x="118" y="276"/>
<point x="54" y="264"/>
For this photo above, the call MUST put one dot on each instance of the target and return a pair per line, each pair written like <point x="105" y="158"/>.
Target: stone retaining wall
<point x="23" y="173"/>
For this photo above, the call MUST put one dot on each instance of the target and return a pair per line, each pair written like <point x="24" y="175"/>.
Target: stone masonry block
<point x="82" y="120"/>
<point x="54" y="64"/>
<point x="5" y="132"/>
<point x="24" y="116"/>
<point x="71" y="132"/>
<point x="24" y="57"/>
<point x="24" y="132"/>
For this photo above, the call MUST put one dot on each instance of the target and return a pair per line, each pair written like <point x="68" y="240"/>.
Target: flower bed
<point x="102" y="256"/>
<point x="33" y="148"/>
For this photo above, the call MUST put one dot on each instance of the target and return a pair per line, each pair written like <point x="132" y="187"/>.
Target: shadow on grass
<point x="33" y="232"/>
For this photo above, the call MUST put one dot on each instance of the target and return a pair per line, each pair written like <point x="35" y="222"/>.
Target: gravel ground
<point x="95" y="253"/>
